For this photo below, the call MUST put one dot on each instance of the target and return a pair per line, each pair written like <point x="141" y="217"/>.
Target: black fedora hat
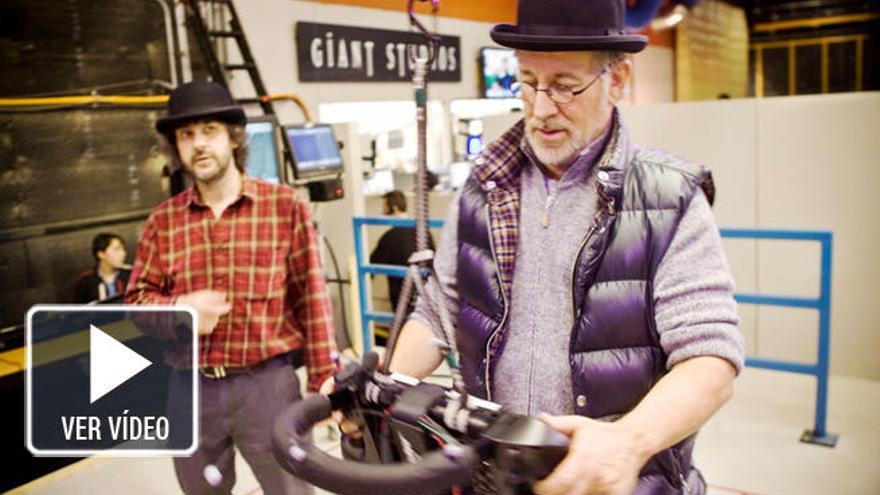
<point x="569" y="25"/>
<point x="197" y="100"/>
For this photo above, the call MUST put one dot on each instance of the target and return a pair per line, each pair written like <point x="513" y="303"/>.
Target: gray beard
<point x="561" y="156"/>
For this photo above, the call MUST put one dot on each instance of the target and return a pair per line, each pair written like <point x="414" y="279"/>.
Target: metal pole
<point x="819" y="435"/>
<point x="421" y="99"/>
<point x="366" y="334"/>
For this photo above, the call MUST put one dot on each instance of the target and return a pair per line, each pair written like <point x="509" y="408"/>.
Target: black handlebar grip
<point x="434" y="473"/>
<point x="352" y="448"/>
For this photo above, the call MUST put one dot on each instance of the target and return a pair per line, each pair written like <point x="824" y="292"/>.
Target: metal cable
<point x="406" y="291"/>
<point x="419" y="259"/>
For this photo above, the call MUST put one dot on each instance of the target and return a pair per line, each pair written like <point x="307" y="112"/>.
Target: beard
<point x="210" y="174"/>
<point x="562" y="154"/>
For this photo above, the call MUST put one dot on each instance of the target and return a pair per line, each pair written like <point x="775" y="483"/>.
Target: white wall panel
<point x="791" y="163"/>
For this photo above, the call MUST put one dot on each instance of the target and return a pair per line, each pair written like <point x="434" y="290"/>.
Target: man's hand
<point x="603" y="458"/>
<point x="346" y="426"/>
<point x="210" y="305"/>
<point x="607" y="457"/>
<point x="328" y="386"/>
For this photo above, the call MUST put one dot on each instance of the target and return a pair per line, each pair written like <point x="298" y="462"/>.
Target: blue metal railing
<point x="364" y="269"/>
<point x="819" y="369"/>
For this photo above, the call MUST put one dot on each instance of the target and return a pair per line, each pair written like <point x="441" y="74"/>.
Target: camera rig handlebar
<point x="417" y="438"/>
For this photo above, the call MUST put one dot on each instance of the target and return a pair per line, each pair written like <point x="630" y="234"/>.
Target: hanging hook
<point x="432" y="38"/>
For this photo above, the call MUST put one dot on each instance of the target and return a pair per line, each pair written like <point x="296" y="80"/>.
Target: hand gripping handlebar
<point x="436" y="472"/>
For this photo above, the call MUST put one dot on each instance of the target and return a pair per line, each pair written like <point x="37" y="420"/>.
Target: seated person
<point x="397" y="244"/>
<point x="110" y="274"/>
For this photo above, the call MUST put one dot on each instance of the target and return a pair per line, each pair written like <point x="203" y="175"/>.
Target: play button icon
<point x="111" y="363"/>
<point x="111" y="380"/>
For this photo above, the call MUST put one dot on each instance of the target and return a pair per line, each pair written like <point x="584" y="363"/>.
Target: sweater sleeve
<point x="693" y="292"/>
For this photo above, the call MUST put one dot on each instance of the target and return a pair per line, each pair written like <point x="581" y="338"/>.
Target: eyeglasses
<point x="556" y="92"/>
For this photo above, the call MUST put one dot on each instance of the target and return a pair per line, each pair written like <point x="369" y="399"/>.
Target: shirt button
<point x="581" y="401"/>
<point x="489" y="185"/>
<point x="480" y="160"/>
<point x="603" y="175"/>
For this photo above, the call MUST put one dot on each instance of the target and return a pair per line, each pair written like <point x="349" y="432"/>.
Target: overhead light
<point x="671" y="19"/>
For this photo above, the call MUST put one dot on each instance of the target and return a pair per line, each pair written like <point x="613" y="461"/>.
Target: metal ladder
<point x="206" y="19"/>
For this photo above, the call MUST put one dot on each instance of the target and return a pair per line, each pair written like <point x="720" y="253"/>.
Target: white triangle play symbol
<point x="111" y="363"/>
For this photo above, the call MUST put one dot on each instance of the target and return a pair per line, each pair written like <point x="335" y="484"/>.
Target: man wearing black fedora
<point x="584" y="273"/>
<point x="244" y="254"/>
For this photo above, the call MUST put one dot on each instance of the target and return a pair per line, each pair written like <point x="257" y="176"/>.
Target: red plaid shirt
<point x="263" y="252"/>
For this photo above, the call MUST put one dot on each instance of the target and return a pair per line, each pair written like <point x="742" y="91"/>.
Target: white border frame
<point x="112" y="452"/>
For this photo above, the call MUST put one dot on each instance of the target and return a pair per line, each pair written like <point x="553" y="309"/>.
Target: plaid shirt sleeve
<point x="147" y="283"/>
<point x="309" y="298"/>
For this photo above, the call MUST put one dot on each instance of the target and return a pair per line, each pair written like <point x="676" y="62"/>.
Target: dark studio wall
<point x="69" y="172"/>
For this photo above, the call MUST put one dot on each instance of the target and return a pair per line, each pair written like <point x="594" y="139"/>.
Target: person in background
<point x="397" y="243"/>
<point x="584" y="273"/>
<point x="244" y="254"/>
<point x="110" y="274"/>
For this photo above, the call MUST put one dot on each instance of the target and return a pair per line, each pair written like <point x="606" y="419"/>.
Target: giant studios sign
<point x="329" y="53"/>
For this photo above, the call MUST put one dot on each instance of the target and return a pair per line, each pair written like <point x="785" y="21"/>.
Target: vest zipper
<point x="574" y="311"/>
<point x="676" y="465"/>
<point x="605" y="207"/>
<point x="684" y="483"/>
<point x="486" y="377"/>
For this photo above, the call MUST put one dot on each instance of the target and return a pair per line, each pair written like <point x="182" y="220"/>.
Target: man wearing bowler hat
<point x="244" y="254"/>
<point x="585" y="273"/>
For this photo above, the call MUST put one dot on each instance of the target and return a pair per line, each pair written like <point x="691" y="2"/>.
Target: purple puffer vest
<point x="615" y="353"/>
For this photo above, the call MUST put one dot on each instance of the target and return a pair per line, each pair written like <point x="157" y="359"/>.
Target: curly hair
<point x="237" y="136"/>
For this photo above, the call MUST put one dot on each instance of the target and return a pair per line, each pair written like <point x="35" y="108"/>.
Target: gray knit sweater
<point x="693" y="289"/>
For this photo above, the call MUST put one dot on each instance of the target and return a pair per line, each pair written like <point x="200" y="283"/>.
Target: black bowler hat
<point x="197" y="100"/>
<point x="569" y="25"/>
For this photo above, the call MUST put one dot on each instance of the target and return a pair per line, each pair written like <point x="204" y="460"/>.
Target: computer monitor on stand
<point x="264" y="154"/>
<point x="317" y="161"/>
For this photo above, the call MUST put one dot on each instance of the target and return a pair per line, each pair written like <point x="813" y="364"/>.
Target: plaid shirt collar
<point x="500" y="165"/>
<point x="499" y="170"/>
<point x="248" y="190"/>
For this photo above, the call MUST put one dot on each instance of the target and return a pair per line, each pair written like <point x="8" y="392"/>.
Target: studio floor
<point x="750" y="447"/>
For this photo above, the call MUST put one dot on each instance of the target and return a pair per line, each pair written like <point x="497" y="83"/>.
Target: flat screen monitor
<point x="264" y="156"/>
<point x="315" y="150"/>
<point x="500" y="71"/>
